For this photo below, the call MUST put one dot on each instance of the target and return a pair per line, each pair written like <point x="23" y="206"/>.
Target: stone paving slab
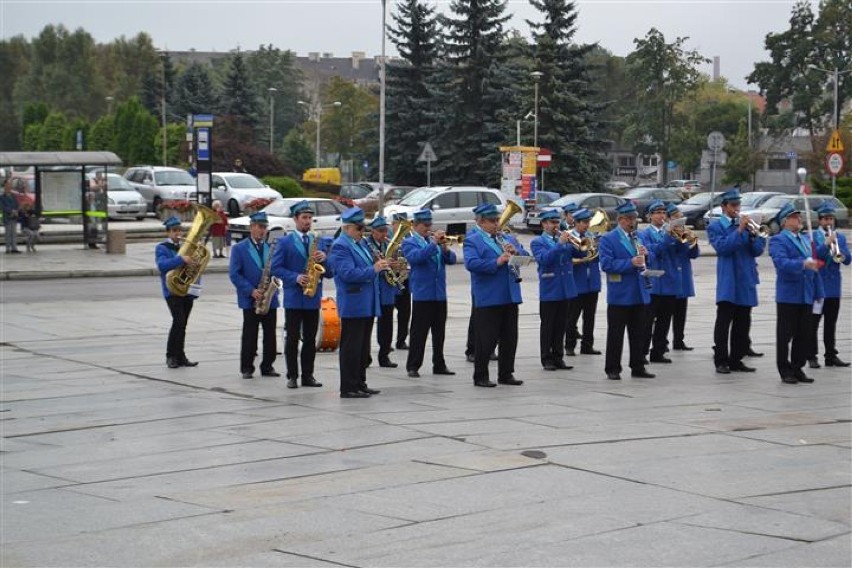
<point x="830" y="504"/>
<point x="831" y="552"/>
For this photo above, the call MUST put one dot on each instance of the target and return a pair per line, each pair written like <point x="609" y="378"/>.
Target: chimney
<point x="357" y="56"/>
<point x="716" y="66"/>
<point x="313" y="56"/>
<point x="327" y="55"/>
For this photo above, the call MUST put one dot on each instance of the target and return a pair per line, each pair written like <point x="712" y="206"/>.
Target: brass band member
<point x="587" y="279"/>
<point x="684" y="258"/>
<point x="428" y="283"/>
<point x="248" y="259"/>
<point x="377" y="241"/>
<point x="179" y="306"/>
<point x="301" y="312"/>
<point x="402" y="302"/>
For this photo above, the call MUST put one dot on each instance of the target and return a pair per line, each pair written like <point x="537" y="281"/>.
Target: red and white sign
<point x="834" y="163"/>
<point x="544" y="157"/>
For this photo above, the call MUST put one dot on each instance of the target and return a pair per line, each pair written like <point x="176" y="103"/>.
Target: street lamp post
<point x="382" y="70"/>
<point x="835" y="76"/>
<point x="536" y="75"/>
<point x="163" y="55"/>
<point x="272" y="91"/>
<point x="318" y="109"/>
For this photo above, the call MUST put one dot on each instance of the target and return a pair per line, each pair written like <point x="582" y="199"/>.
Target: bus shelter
<point x="67" y="186"/>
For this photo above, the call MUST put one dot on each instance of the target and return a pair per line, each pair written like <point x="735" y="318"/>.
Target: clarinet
<point x="516" y="272"/>
<point x="644" y="269"/>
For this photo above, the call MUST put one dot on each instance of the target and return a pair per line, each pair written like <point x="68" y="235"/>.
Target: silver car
<point x="326" y="217"/>
<point x="235" y="190"/>
<point x="124" y="202"/>
<point x="161" y="183"/>
<point x="769" y="210"/>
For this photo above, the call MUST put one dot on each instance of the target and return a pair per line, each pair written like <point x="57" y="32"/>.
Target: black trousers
<point x="619" y="318"/>
<point x="403" y="314"/>
<point x="300" y="324"/>
<point x="679" y="321"/>
<point x="586" y="304"/>
<point x="657" y="324"/>
<point x="551" y="332"/>
<point x="354" y="352"/>
<point x="492" y="325"/>
<point x="470" y="346"/>
<point x="427" y="317"/>
<point x="248" y="346"/>
<point x="384" y="331"/>
<point x="792" y="324"/>
<point x="733" y="323"/>
<point x="180" y="307"/>
<point x="830" y="309"/>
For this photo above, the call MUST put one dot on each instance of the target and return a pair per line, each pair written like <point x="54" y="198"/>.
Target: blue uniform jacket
<point x="167" y="258"/>
<point x="387" y="292"/>
<point x="555" y="269"/>
<point x="246" y="269"/>
<point x="830" y="273"/>
<point x="356" y="281"/>
<point x="491" y="285"/>
<point x="736" y="267"/>
<point x="663" y="252"/>
<point x="793" y="284"/>
<point x="428" y="278"/>
<point x="289" y="261"/>
<point x="684" y="257"/>
<point x="587" y="275"/>
<point x="624" y="285"/>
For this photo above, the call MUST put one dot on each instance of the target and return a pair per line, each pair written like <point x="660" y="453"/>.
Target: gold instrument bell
<point x="598" y="225"/>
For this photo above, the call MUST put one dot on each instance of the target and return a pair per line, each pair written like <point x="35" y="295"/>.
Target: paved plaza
<point x="111" y="459"/>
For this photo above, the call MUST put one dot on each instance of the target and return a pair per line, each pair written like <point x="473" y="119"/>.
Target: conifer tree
<point x="239" y="98"/>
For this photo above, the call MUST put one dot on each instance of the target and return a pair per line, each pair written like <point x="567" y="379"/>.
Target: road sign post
<point x="543" y="162"/>
<point x="834" y="159"/>
<point x="715" y="141"/>
<point x="428" y="155"/>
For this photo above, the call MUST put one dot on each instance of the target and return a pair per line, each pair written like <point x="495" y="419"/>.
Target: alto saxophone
<point x="313" y="270"/>
<point x="180" y="279"/>
<point x="268" y="286"/>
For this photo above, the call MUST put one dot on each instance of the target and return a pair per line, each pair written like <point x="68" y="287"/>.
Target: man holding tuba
<point x="428" y="283"/>
<point x="296" y="256"/>
<point x="249" y="260"/>
<point x="377" y="241"/>
<point x="179" y="306"/>
<point x="587" y="279"/>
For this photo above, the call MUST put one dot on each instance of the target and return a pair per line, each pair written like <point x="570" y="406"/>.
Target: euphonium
<point x="510" y="211"/>
<point x="396" y="277"/>
<point x="180" y="279"/>
<point x="268" y="286"/>
<point x="598" y="225"/>
<point x="313" y="270"/>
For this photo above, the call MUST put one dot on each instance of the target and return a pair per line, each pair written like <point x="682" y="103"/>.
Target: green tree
<point x="153" y="87"/>
<point x="32" y="137"/>
<point x="135" y="133"/>
<point x="239" y="97"/>
<point x="14" y="60"/>
<point x="296" y="152"/>
<point x="661" y="75"/>
<point x="350" y="130"/>
<point x="53" y="132"/>
<point x="101" y="133"/>
<point x="70" y="141"/>
<point x="195" y="92"/>
<point x="743" y="160"/>
<point x="271" y="68"/>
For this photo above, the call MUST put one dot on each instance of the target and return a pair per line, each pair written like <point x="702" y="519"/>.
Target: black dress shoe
<point x="510" y="380"/>
<point x="814" y="363"/>
<point x="488" y="384"/>
<point x="560" y="364"/>
<point x="493" y="357"/>
<point x="801" y="376"/>
<point x="187" y="363"/>
<point x="310" y="382"/>
<point x="443" y="371"/>
<point x="752" y="353"/>
<point x="682" y="347"/>
<point x="642" y="374"/>
<point x="356" y="394"/>
<point x="270" y="373"/>
<point x="549" y="366"/>
<point x="388" y="363"/>
<point x="471" y="358"/>
<point x="292" y="384"/>
<point x="172" y="363"/>
<point x="570" y="353"/>
<point x="368" y="390"/>
<point x="742" y="367"/>
<point x="589" y="352"/>
<point x="660" y="359"/>
<point x="413" y="374"/>
<point x="613" y="376"/>
<point x="723" y="369"/>
<point x="248" y="375"/>
<point x="645" y="361"/>
<point x="789" y="379"/>
<point x="835" y="361"/>
<point x="403" y="346"/>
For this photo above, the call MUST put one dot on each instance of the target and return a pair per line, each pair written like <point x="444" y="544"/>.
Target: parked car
<point x="235" y="190"/>
<point x="769" y="210"/>
<point x="750" y="201"/>
<point x="695" y="207"/>
<point x="643" y="196"/>
<point x="686" y="187"/>
<point x="452" y="206"/>
<point x="396" y="193"/>
<point x="161" y="183"/>
<point x="123" y="201"/>
<point x="351" y="192"/>
<point x="542" y="198"/>
<point x="590" y="201"/>
<point x="326" y="217"/>
<point x="616" y="187"/>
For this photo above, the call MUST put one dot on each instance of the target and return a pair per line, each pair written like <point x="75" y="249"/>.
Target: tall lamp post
<point x="109" y="101"/>
<point x="272" y="91"/>
<point x="835" y="77"/>
<point x="318" y="108"/>
<point x="382" y="116"/>
<point x="536" y="75"/>
<point x="163" y="55"/>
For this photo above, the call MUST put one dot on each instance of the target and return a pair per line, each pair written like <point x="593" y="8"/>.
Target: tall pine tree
<point x="239" y="98"/>
<point x="568" y="119"/>
<point x="194" y="92"/>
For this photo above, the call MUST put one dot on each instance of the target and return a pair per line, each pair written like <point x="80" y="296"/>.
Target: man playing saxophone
<point x="295" y="262"/>
<point x="179" y="306"/>
<point x="249" y="258"/>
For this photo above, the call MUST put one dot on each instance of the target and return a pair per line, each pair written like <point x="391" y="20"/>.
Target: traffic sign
<point x="715" y="140"/>
<point x="834" y="163"/>
<point x="428" y="154"/>
<point x="835" y="144"/>
<point x="544" y="157"/>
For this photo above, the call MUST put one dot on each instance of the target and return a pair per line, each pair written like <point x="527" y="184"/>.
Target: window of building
<point x="626" y="161"/>
<point x="777" y="163"/>
<point x="649" y="161"/>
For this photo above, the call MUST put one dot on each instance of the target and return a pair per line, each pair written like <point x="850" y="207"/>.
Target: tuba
<point x="268" y="286"/>
<point x="510" y="211"/>
<point x="598" y="225"/>
<point x="313" y="270"/>
<point x="397" y="277"/>
<point x="180" y="279"/>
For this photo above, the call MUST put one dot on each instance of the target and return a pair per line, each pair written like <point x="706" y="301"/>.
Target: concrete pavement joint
<point x="319" y="558"/>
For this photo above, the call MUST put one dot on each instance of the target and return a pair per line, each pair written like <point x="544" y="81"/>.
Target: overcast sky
<point x="734" y="30"/>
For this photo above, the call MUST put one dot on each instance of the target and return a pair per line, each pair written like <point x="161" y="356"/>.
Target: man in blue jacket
<point x="301" y="313"/>
<point x="567" y="221"/>
<point x="587" y="279"/>
<point x="553" y="254"/>
<point x="683" y="257"/>
<point x="797" y="287"/>
<point x="377" y="242"/>
<point x="428" y="285"/>
<point x="736" y="283"/>
<point x="496" y="295"/>
<point x="831" y="281"/>
<point x="180" y="307"/>
<point x="248" y="259"/>
<point x="402" y="302"/>
<point x="356" y="275"/>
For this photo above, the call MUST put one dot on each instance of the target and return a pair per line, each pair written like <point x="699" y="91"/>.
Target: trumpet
<point x="584" y="244"/>
<point x="684" y="236"/>
<point x="834" y="248"/>
<point x="449" y="240"/>
<point x="758" y="230"/>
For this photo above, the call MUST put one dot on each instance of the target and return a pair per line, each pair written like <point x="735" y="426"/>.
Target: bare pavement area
<point x="111" y="459"/>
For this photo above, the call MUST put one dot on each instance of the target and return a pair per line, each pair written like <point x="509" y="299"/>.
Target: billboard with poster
<point x="519" y="171"/>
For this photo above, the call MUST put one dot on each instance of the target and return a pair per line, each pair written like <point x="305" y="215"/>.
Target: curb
<point x="117" y="273"/>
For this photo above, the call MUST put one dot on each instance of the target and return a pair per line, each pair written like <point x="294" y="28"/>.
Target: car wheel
<point x="233" y="208"/>
<point x="156" y="204"/>
<point x="142" y="218"/>
<point x="700" y="225"/>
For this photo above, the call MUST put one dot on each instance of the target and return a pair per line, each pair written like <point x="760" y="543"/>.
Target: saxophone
<point x="313" y="270"/>
<point x="268" y="286"/>
<point x="180" y="279"/>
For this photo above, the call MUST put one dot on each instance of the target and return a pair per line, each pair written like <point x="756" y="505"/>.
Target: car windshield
<point x="566" y="199"/>
<point x="753" y="199"/>
<point x="117" y="183"/>
<point x="279" y="208"/>
<point x="417" y="198"/>
<point x="177" y="177"/>
<point x="244" y="181"/>
<point x="639" y="192"/>
<point x="776" y="202"/>
<point x="698" y="199"/>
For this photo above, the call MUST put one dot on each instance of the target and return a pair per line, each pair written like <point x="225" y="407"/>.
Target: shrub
<point x="286" y="186"/>
<point x="844" y="189"/>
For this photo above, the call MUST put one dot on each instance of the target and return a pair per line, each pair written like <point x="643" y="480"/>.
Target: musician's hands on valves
<point x="563" y="237"/>
<point x="318" y="256"/>
<point x="189" y="261"/>
<point x="257" y="295"/>
<point x="381" y="265"/>
<point x="302" y="280"/>
<point x="744" y="220"/>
